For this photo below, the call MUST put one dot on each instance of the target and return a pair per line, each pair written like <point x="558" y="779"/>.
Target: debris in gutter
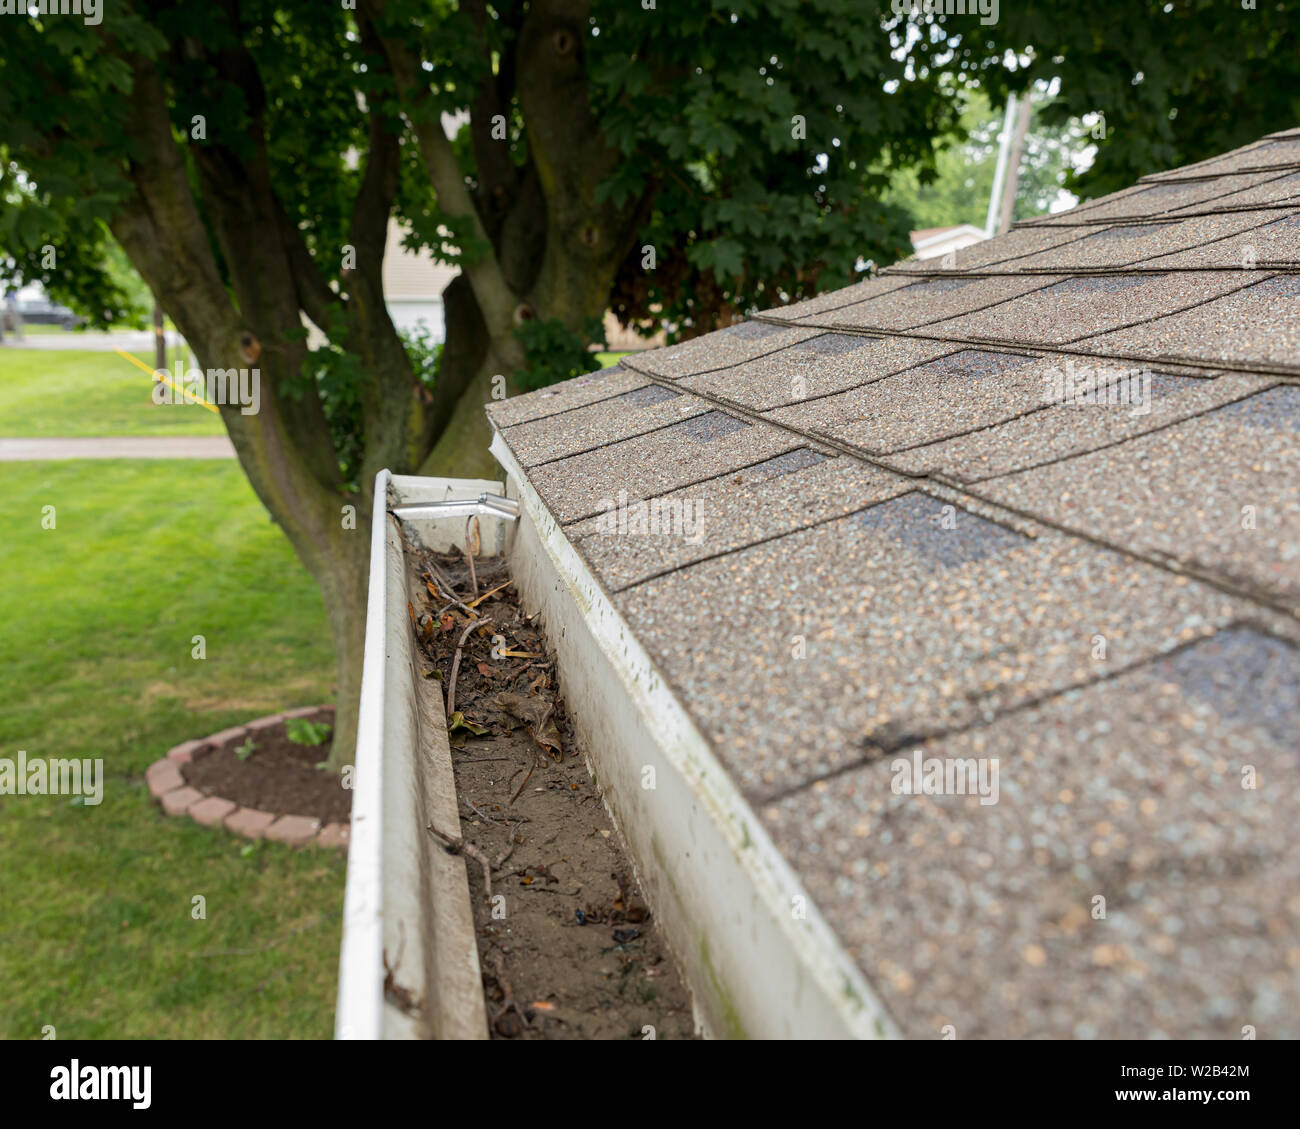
<point x="535" y="835"/>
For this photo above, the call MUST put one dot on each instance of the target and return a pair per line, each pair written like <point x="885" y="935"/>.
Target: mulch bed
<point x="280" y="777"/>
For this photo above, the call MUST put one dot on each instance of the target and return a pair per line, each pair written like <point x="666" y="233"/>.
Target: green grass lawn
<point x="39" y="329"/>
<point x="96" y="933"/>
<point x="97" y="937"/>
<point x="45" y="393"/>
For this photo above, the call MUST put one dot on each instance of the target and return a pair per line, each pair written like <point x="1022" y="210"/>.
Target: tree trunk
<point x="237" y="276"/>
<point x="342" y="574"/>
<point x="465" y="372"/>
<point x="251" y="319"/>
<point x="462" y="449"/>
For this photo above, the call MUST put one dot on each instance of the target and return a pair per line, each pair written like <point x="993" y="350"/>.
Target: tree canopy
<point x="678" y="163"/>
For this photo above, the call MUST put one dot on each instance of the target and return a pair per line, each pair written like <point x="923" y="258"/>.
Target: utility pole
<point x="1000" y="169"/>
<point x="159" y="340"/>
<point x="1007" y="205"/>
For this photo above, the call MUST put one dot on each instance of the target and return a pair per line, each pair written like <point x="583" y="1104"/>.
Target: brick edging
<point x="168" y="787"/>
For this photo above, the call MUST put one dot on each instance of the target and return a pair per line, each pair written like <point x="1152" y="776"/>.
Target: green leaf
<point x="459" y="721"/>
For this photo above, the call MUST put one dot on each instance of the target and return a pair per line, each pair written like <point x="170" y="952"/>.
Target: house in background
<point x="931" y="242"/>
<point x="413" y="284"/>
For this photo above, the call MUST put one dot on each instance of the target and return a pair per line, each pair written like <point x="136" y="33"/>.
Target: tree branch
<point x="495" y="298"/>
<point x="317" y="298"/>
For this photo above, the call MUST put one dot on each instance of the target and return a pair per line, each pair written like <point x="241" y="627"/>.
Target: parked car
<point x="41" y="311"/>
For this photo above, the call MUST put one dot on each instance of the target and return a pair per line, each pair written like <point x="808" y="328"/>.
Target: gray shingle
<point x="1258" y="324"/>
<point x="892" y="528"/>
<point x="1004" y="252"/>
<point x="715" y="350"/>
<point x="1197" y="242"/>
<point x="632" y="542"/>
<point x="1281" y="152"/>
<point x="833" y="299"/>
<point x="898" y="637"/>
<point x="656" y="463"/>
<point x="1218" y="494"/>
<point x="925" y="301"/>
<point x="1145" y="201"/>
<point x="1066" y="430"/>
<point x="963" y="391"/>
<point x="1263" y="239"/>
<point x="568" y="394"/>
<point x="1075" y="308"/>
<point x="982" y="916"/>
<point x="594" y="425"/>
<point x="1261" y="190"/>
<point x="805" y="371"/>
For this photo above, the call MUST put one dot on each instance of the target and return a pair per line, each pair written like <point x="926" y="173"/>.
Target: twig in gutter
<point x="486" y="815"/>
<point x="507" y="998"/>
<point x="476" y="810"/>
<point x="454" y="842"/>
<point x="455" y="663"/>
<point x="469" y="553"/>
<point x="475" y="603"/>
<point x="526" y="779"/>
<point x="436" y="574"/>
<point x="510" y="850"/>
<point x="458" y="846"/>
<point x="440" y="588"/>
<point x="453" y="604"/>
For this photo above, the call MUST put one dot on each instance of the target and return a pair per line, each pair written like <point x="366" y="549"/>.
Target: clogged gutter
<point x="567" y="946"/>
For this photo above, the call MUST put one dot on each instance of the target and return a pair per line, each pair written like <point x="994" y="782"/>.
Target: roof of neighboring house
<point x="926" y="234"/>
<point x="1104" y="598"/>
<point x="620" y="340"/>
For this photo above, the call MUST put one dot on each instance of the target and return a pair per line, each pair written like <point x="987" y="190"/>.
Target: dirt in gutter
<point x="567" y="946"/>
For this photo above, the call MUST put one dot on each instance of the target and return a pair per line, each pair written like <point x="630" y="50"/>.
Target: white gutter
<point x="758" y="956"/>
<point x="408" y="966"/>
<point x="359" y="1014"/>
<point x="760" y="959"/>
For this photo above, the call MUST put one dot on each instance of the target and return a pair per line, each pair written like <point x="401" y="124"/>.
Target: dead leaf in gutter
<point x="475" y="603"/>
<point x="535" y="713"/>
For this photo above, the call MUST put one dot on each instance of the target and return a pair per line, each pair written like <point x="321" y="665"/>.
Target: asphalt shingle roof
<point x="1104" y="596"/>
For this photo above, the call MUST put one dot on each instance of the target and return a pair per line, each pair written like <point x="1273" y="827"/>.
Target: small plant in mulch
<point x="303" y="732"/>
<point x="246" y="750"/>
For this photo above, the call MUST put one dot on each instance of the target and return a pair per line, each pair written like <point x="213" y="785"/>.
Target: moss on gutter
<point x="725" y="1007"/>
